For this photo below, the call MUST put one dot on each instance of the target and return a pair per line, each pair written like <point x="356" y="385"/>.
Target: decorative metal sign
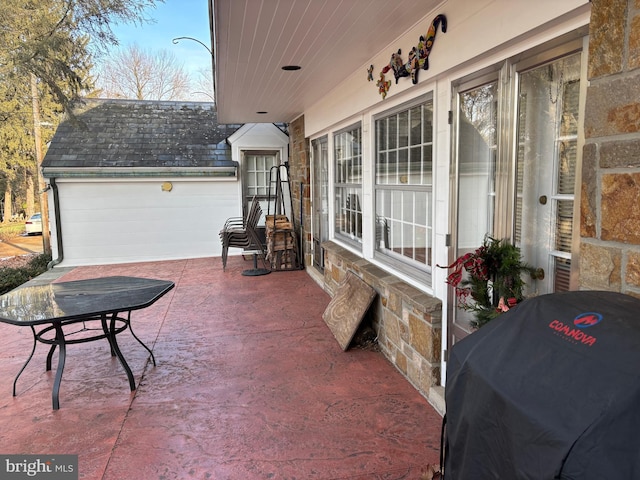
<point x="418" y="58"/>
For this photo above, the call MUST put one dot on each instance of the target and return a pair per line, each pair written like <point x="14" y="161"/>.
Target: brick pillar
<point x="300" y="171"/>
<point x="610" y="193"/>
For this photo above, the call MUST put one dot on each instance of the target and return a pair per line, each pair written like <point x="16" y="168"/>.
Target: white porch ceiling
<point x="329" y="39"/>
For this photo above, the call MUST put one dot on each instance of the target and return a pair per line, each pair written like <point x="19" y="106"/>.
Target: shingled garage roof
<point x="132" y="137"/>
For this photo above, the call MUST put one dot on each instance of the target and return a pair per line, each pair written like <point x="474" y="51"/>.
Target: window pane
<point x="396" y="204"/>
<point x="427" y="123"/>
<point x="257" y="169"/>
<point x="392" y="136"/>
<point x="415" y="166"/>
<point x="402" y="176"/>
<point x="348" y="187"/>
<point x="403" y="129"/>
<point x="403" y="185"/>
<point x="407" y="207"/>
<point x="381" y="168"/>
<point x="427" y="165"/>
<point x="564" y="225"/>
<point x="357" y="170"/>
<point x="407" y="241"/>
<point x="562" y="274"/>
<point x="381" y="134"/>
<point x="568" y="137"/>
<point x="392" y="167"/>
<point x="422" y="210"/>
<point x="422" y="251"/>
<point x="476" y="164"/>
<point x="415" y="132"/>
<point x="402" y="166"/>
<point x="567" y="166"/>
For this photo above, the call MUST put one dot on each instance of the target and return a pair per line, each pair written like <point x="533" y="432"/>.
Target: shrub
<point x="11" y="230"/>
<point x="11" y="278"/>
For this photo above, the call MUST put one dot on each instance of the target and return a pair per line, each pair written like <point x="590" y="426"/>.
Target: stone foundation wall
<point x="610" y="194"/>
<point x="408" y="322"/>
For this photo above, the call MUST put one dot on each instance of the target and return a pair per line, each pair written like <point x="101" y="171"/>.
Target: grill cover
<point x="548" y="390"/>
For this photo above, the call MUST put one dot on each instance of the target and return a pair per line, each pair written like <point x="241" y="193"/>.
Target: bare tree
<point x="143" y="75"/>
<point x="203" y="86"/>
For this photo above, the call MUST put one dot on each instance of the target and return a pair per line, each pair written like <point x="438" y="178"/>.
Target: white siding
<point x="121" y="220"/>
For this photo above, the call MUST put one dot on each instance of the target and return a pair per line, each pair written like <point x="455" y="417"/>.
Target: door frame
<point x="318" y="218"/>
<point x="506" y="74"/>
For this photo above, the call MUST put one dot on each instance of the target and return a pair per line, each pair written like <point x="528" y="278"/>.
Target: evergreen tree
<point x="55" y="42"/>
<point x="52" y="39"/>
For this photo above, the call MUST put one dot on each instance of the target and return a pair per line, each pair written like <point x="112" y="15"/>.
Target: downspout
<point x="56" y="211"/>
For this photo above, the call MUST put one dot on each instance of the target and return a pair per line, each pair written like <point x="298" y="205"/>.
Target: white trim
<point x="226" y="173"/>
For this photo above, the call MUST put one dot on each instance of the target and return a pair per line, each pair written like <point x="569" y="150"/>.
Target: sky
<point x="174" y="18"/>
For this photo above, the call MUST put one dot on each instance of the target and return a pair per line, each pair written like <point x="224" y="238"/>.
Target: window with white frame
<point x="347" y="154"/>
<point x="404" y="185"/>
<point x="257" y="171"/>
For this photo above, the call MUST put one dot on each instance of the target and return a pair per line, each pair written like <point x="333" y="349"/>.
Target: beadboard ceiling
<point x="329" y="39"/>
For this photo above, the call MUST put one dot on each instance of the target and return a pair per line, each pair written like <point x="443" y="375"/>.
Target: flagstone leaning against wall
<point x="610" y="204"/>
<point x="408" y="322"/>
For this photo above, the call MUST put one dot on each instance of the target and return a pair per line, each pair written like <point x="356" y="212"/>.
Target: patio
<point x="250" y="384"/>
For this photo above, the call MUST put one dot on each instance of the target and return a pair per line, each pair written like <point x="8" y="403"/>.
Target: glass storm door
<point x="476" y="152"/>
<point x="547" y="153"/>
<point x="320" y="199"/>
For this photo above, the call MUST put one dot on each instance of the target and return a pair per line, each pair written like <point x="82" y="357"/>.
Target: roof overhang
<point x="329" y="39"/>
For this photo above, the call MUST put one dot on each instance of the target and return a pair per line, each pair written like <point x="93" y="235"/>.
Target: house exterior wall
<point x="300" y="171"/>
<point x="479" y="35"/>
<point x="477" y="30"/>
<point x="610" y="207"/>
<point x="107" y="221"/>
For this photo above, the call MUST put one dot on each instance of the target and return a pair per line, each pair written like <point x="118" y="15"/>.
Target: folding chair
<point x="241" y="233"/>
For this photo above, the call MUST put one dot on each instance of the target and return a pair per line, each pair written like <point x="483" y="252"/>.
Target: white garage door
<point x="105" y="222"/>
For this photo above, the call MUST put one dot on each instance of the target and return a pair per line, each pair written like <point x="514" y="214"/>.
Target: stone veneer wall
<point x="610" y="198"/>
<point x="300" y="181"/>
<point x="408" y="322"/>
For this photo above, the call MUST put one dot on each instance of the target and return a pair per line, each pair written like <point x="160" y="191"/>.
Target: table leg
<point x="111" y="336"/>
<point x="153" y="358"/>
<point x="62" y="356"/>
<point x="50" y="356"/>
<point x="33" y="349"/>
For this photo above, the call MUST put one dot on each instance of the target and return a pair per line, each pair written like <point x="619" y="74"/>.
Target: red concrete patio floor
<point x="249" y="384"/>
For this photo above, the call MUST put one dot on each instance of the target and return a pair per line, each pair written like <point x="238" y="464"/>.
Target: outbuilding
<point x="136" y="181"/>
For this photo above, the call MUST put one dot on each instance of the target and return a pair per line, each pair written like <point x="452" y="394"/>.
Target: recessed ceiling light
<point x="291" y="68"/>
<point x="261" y="112"/>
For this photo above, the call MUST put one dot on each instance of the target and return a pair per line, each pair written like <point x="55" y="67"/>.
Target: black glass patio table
<point x="64" y="313"/>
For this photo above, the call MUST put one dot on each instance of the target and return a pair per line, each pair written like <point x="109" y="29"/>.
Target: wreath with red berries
<point x="489" y="281"/>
